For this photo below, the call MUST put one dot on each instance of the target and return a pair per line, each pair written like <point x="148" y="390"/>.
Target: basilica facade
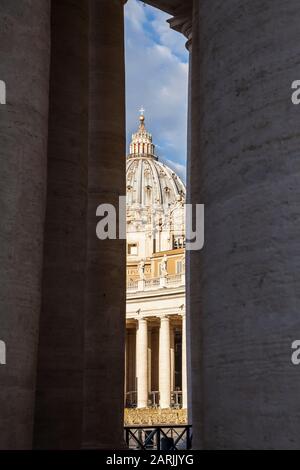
<point x="155" y="362"/>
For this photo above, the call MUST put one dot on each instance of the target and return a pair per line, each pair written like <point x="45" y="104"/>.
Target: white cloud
<point x="156" y="76"/>
<point x="135" y="15"/>
<point x="178" y="168"/>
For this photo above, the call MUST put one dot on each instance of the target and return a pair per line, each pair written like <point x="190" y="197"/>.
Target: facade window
<point x="178" y="242"/>
<point x="179" y="267"/>
<point x="132" y="249"/>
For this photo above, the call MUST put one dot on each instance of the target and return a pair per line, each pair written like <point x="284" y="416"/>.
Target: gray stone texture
<point x="58" y="417"/>
<point x="249" y="179"/>
<point x="193" y="258"/>
<point x="24" y="66"/>
<point x="106" y="260"/>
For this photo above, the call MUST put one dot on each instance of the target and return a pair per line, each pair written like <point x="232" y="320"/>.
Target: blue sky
<point x="157" y="79"/>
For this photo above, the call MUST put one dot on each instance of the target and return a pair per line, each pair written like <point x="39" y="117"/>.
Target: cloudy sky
<point x="157" y="79"/>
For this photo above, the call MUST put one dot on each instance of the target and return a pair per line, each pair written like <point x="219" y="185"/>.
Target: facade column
<point x="149" y="359"/>
<point x="24" y="67"/>
<point x="126" y="366"/>
<point x="184" y="365"/>
<point x="164" y="363"/>
<point x="142" y="363"/>
<point x="105" y="309"/>
<point x="58" y="410"/>
<point x="172" y="352"/>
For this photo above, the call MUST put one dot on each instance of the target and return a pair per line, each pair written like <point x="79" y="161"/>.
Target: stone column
<point x="24" y="67"/>
<point x="247" y="173"/>
<point x="184" y="365"/>
<point x="142" y="363"/>
<point x="164" y="363"/>
<point x="126" y="366"/>
<point x="186" y="22"/>
<point x="58" y="411"/>
<point x="172" y="358"/>
<point x="149" y="367"/>
<point x="106" y="259"/>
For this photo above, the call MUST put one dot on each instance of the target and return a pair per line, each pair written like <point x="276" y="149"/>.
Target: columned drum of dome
<point x="155" y="282"/>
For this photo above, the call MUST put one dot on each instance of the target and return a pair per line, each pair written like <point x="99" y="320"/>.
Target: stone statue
<point x="142" y="270"/>
<point x="164" y="264"/>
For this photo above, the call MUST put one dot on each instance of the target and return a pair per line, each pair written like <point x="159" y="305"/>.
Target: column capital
<point x="182" y="22"/>
<point x="142" y="319"/>
<point x="165" y="318"/>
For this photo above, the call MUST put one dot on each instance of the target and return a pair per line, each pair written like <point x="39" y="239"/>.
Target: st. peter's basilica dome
<point x="155" y="200"/>
<point x="150" y="182"/>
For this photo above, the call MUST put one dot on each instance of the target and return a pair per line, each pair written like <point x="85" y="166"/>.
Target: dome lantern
<point x="141" y="144"/>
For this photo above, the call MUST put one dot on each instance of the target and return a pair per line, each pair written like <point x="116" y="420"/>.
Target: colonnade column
<point x="106" y="259"/>
<point x="58" y="411"/>
<point x="142" y="363"/>
<point x="247" y="173"/>
<point x="186" y="22"/>
<point x="193" y="258"/>
<point x="24" y="67"/>
<point x="164" y="363"/>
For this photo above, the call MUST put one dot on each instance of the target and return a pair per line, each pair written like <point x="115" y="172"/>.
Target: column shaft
<point x="24" y="67"/>
<point x="193" y="258"/>
<point x="172" y="352"/>
<point x="149" y="359"/>
<point x="248" y="177"/>
<point x="142" y="363"/>
<point x="126" y="365"/>
<point x="184" y="365"/>
<point x="58" y="414"/>
<point x="164" y="363"/>
<point x="106" y="259"/>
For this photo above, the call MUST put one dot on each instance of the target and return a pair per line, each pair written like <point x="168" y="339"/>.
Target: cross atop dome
<point x="142" y="118"/>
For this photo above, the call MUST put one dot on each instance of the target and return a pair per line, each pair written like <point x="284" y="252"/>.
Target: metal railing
<point x="172" y="438"/>
<point x="176" y="399"/>
<point x="153" y="400"/>
<point x="131" y="399"/>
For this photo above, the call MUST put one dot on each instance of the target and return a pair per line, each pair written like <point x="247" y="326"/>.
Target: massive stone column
<point x="24" y="67"/>
<point x="58" y="419"/>
<point x="247" y="173"/>
<point x="142" y="363"/>
<point x="193" y="258"/>
<point x="164" y="363"/>
<point x="106" y="259"/>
